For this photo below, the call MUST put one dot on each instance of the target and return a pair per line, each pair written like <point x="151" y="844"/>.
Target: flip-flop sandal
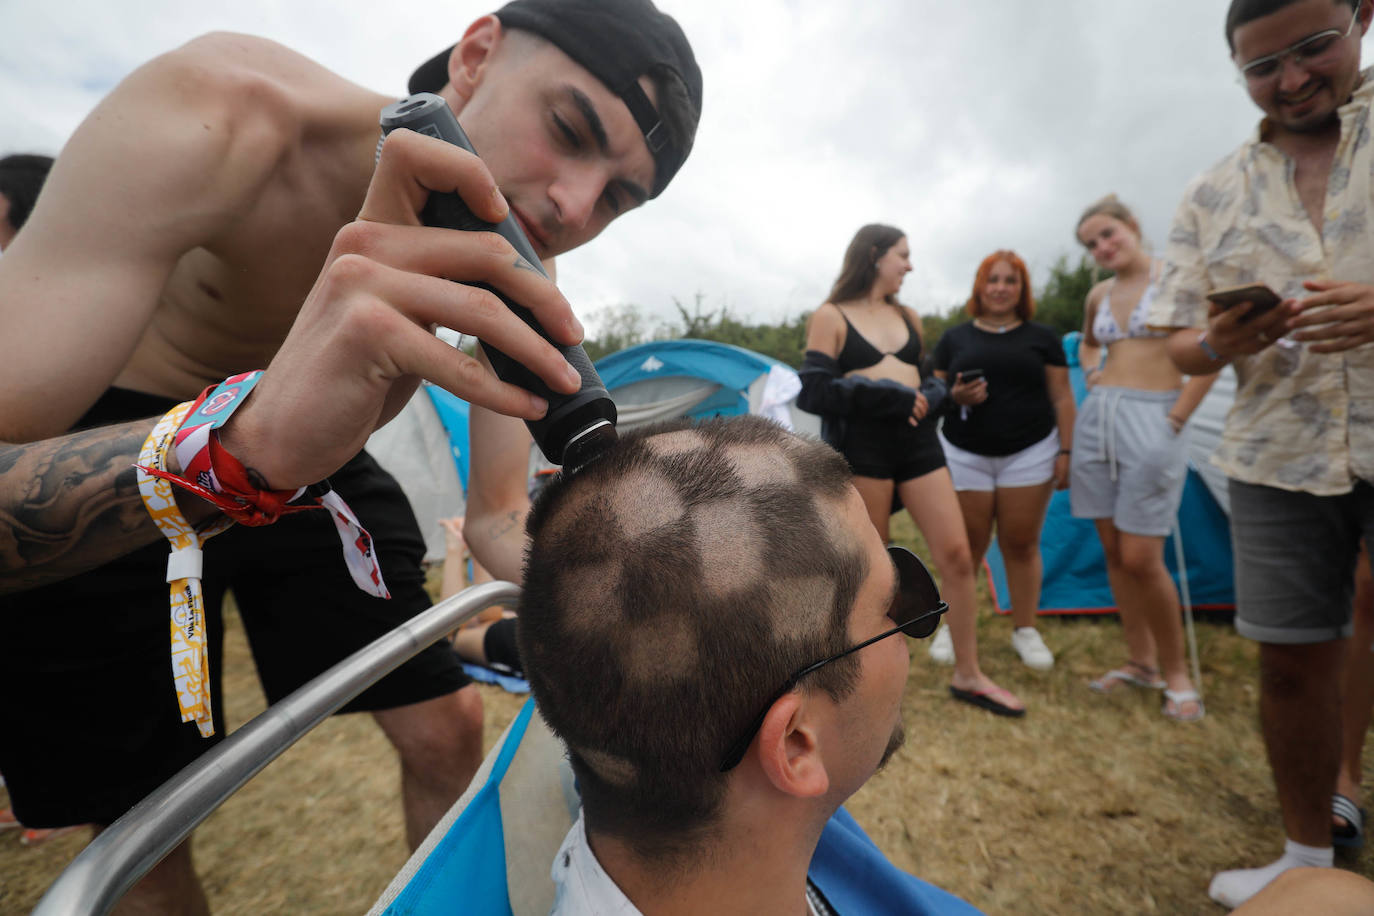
<point x="1351" y="836"/>
<point x="1178" y="698"/>
<point x="987" y="699"/>
<point x="1126" y="674"/>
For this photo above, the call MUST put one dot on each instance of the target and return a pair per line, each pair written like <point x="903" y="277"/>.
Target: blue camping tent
<point x="426" y="446"/>
<point x="1075" y="575"/>
<point x="701" y="378"/>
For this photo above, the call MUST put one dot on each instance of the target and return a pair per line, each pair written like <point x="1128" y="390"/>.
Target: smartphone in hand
<point x="970" y="375"/>
<point x="1262" y="296"/>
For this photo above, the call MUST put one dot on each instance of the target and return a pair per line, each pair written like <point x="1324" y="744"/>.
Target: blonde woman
<point x="1130" y="460"/>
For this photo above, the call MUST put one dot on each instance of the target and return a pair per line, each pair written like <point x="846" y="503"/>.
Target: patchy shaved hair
<point x="671" y="587"/>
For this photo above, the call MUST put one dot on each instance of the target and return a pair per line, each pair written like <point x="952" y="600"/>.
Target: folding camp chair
<point x="124" y="853"/>
<point x="489" y="856"/>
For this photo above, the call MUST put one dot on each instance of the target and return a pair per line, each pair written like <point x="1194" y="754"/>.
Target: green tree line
<point x="1059" y="304"/>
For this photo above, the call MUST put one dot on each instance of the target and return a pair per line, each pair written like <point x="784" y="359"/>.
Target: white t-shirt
<point x="582" y="886"/>
<point x="584" y="889"/>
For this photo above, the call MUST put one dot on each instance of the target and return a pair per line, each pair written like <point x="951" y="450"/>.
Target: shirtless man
<point x="183" y="226"/>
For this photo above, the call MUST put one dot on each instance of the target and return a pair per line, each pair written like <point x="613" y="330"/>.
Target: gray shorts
<point x="1128" y="465"/>
<point x="1295" y="560"/>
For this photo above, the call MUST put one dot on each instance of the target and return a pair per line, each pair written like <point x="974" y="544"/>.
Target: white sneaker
<point x="1032" y="649"/>
<point x="942" y="647"/>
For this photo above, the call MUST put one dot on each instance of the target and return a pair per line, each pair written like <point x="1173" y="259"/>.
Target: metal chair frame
<point x="114" y="861"/>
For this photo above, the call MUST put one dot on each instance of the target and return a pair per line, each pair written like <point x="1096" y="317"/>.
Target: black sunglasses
<point x="916" y="609"/>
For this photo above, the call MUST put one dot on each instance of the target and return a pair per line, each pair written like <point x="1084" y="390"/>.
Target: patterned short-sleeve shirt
<point x="1301" y="420"/>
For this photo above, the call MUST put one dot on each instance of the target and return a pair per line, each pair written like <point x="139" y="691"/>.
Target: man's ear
<point x="789" y="748"/>
<point x="468" y="62"/>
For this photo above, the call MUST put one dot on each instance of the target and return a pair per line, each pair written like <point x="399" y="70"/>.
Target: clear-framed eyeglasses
<point x="1313" y="51"/>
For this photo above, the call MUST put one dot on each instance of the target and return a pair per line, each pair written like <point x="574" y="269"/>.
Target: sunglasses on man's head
<point x="916" y="608"/>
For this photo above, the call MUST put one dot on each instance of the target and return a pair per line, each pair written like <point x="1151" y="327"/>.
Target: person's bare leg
<point x="170" y="889"/>
<point x="1300" y="702"/>
<point x="1020" y="516"/>
<point x="877" y="497"/>
<point x="1155" y="599"/>
<point x="440" y="746"/>
<point x="1300" y="716"/>
<point x="978" y="507"/>
<point x="470" y="643"/>
<point x="1140" y="645"/>
<point x="1357" y="687"/>
<point x="933" y="506"/>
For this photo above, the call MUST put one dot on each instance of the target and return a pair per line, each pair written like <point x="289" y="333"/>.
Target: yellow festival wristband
<point x="190" y="657"/>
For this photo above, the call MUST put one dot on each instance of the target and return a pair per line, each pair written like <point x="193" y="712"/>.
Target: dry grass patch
<point x="1089" y="805"/>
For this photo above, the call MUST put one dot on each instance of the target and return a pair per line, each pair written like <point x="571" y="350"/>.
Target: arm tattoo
<point x="522" y="264"/>
<point x="70" y="504"/>
<point x="503" y="525"/>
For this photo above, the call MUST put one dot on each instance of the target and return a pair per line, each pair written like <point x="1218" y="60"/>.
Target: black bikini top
<point x="858" y="353"/>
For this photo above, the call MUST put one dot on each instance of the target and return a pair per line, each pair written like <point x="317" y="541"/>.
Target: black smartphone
<point x="970" y="375"/>
<point x="1262" y="296"/>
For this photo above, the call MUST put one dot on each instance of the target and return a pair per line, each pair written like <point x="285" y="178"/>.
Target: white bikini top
<point x="1107" y="331"/>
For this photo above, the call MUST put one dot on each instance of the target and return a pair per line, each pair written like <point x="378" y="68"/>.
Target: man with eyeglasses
<point x="713" y="627"/>
<point x="1293" y="209"/>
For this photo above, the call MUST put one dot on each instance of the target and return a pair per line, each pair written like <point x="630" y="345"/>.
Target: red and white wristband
<point x="212" y="473"/>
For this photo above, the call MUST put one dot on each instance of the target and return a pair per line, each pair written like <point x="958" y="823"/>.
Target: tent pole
<point x="1187" y="606"/>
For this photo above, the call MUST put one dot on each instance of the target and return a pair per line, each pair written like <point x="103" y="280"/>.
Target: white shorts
<point x="1029" y="467"/>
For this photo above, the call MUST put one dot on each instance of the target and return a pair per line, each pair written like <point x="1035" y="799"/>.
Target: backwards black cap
<point x="618" y="41"/>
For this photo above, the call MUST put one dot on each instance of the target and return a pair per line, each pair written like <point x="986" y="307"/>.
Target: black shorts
<point x="892" y="450"/>
<point x="89" y="722"/>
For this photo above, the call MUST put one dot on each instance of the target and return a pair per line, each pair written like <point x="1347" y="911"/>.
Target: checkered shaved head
<point x="671" y="586"/>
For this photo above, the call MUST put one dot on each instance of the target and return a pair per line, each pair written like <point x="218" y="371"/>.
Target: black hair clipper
<point x="577" y="426"/>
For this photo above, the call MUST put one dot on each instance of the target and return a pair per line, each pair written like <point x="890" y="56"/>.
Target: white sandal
<point x="1129" y="673"/>
<point x="1178" y="698"/>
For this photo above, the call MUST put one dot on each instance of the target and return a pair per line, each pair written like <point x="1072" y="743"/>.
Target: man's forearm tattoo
<point x="503" y="525"/>
<point x="70" y="504"/>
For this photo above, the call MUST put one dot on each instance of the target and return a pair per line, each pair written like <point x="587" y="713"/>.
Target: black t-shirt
<point x="1018" y="412"/>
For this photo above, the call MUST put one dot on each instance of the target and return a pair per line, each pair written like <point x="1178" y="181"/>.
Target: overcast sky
<point x="972" y="125"/>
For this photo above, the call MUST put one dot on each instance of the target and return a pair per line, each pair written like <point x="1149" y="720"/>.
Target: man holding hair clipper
<point x="1298" y="445"/>
<point x="240" y="164"/>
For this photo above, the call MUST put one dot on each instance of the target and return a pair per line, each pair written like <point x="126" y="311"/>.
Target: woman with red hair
<point x="1008" y="440"/>
<point x="862" y="376"/>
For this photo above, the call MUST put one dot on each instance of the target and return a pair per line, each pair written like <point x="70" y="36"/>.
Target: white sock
<point x="1232" y="888"/>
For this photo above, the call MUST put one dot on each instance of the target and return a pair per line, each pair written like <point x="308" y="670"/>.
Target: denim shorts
<point x="1295" y="560"/>
<point x="1128" y="464"/>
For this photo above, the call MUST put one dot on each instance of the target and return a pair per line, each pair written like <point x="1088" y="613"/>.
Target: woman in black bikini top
<point x="862" y="375"/>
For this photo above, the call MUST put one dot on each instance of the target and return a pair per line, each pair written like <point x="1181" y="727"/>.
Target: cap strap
<point x="646" y="116"/>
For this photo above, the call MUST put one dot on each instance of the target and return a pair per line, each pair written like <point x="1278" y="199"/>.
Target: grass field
<point x="1089" y="805"/>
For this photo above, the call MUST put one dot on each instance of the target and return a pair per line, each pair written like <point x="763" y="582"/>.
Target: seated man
<point x="705" y="625"/>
